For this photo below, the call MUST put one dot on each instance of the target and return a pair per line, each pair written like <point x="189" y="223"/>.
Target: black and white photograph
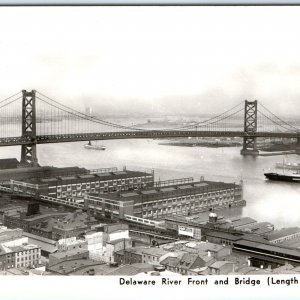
<point x="152" y="142"/>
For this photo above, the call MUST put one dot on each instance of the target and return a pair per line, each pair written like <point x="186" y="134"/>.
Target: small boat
<point x="94" y="147"/>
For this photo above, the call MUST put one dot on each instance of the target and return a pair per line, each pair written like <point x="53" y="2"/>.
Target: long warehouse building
<point x="158" y="202"/>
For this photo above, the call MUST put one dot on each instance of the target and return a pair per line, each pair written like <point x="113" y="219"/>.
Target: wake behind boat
<point x="94" y="147"/>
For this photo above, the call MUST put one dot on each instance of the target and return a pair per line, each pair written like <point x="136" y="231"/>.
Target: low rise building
<point x="60" y="257"/>
<point x="186" y="263"/>
<point x="73" y="225"/>
<point x="103" y="245"/>
<point x="19" y="253"/>
<point x="47" y="246"/>
<point x="71" y="243"/>
<point x="9" y="234"/>
<point x="130" y="256"/>
<point x="154" y="256"/>
<point x="221" y="267"/>
<point x="210" y="249"/>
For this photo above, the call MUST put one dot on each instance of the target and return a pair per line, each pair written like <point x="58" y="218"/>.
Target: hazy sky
<point x="169" y="59"/>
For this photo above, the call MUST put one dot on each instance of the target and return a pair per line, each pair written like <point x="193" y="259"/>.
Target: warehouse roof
<point x="83" y="175"/>
<point x="170" y="191"/>
<point x="269" y="247"/>
<point x="283" y="233"/>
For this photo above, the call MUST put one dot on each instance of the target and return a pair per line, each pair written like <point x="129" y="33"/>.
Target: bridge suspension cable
<point x="10" y="116"/>
<point x="81" y="115"/>
<point x="213" y="120"/>
<point x="278" y="119"/>
<point x="2" y="101"/>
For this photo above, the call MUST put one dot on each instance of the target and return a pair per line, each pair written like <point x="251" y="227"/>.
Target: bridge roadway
<point x="138" y="134"/>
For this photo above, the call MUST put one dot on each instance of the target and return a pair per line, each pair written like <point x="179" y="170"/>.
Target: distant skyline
<point x="143" y="60"/>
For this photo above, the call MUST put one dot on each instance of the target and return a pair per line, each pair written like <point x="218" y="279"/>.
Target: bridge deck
<point x="161" y="134"/>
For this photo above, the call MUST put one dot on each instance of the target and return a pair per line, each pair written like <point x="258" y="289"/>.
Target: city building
<point x="185" y="263"/>
<point x="50" y="225"/>
<point x="222" y="267"/>
<point x="86" y="181"/>
<point x="7" y="258"/>
<point x="154" y="256"/>
<point x="72" y="225"/>
<point x="19" y="253"/>
<point x="103" y="245"/>
<point x="47" y="246"/>
<point x="210" y="249"/>
<point x="61" y="257"/>
<point x="11" y="209"/>
<point x="36" y="224"/>
<point x="71" y="243"/>
<point x="129" y="256"/>
<point x="159" y="202"/>
<point x="7" y="234"/>
<point x="36" y="173"/>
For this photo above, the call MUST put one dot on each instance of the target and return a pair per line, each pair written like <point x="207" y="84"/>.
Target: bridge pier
<point x="249" y="147"/>
<point x="250" y="129"/>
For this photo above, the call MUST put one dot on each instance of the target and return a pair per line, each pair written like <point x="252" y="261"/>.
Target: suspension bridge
<point x="29" y="118"/>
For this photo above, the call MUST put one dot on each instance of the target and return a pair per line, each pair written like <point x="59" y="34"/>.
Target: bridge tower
<point x="250" y="128"/>
<point x="28" y="152"/>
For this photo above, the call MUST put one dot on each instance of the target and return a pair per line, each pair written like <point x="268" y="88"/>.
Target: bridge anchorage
<point x="250" y="129"/>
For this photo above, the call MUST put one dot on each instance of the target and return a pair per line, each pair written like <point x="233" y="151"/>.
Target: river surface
<point x="275" y="202"/>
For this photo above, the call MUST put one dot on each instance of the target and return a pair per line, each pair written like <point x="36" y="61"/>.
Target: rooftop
<point x="69" y="253"/>
<point x="39" y="238"/>
<point x="79" y="267"/>
<point x="219" y="264"/>
<point x="282" y="233"/>
<point x="205" y="246"/>
<point x="23" y="247"/>
<point x="240" y="222"/>
<point x="155" y="251"/>
<point x="224" y="235"/>
<point x="269" y="247"/>
<point x="73" y="177"/>
<point x="173" y="190"/>
<point x="114" y="242"/>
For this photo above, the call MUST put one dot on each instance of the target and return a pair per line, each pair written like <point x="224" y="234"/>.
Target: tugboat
<point x="94" y="147"/>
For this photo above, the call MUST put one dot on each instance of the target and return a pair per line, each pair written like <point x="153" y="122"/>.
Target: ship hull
<point x="282" y="177"/>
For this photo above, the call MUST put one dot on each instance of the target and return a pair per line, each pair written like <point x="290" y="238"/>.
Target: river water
<point x="276" y="202"/>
